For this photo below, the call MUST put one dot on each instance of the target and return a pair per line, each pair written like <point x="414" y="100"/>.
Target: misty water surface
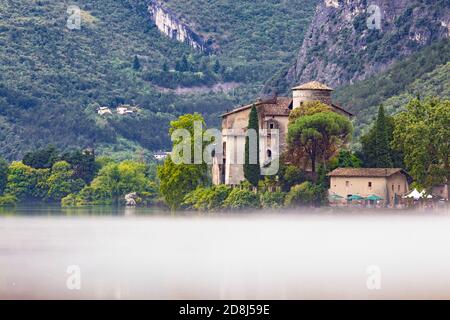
<point x="152" y="254"/>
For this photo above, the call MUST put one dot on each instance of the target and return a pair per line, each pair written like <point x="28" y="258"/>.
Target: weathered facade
<point x="441" y="191"/>
<point x="389" y="184"/>
<point x="273" y="118"/>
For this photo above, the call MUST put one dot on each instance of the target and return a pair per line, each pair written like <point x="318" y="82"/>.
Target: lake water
<point x="106" y="253"/>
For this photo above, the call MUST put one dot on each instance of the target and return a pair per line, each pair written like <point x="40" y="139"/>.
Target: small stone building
<point x="389" y="183"/>
<point x="272" y="114"/>
<point x="441" y="191"/>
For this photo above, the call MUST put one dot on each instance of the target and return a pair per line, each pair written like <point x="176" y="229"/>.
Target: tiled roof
<point x="365" y="172"/>
<point x="272" y="107"/>
<point x="342" y="109"/>
<point x="313" y="85"/>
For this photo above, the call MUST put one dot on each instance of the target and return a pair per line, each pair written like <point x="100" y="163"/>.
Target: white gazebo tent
<point x="416" y="195"/>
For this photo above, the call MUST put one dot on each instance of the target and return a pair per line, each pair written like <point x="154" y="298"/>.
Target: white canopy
<point x="416" y="195"/>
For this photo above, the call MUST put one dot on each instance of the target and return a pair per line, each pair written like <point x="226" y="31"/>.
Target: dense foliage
<point x="3" y="175"/>
<point x="319" y="136"/>
<point x="113" y="182"/>
<point x="424" y="73"/>
<point x="179" y="179"/>
<point x="52" y="79"/>
<point x="377" y="150"/>
<point x="422" y="133"/>
<point x="241" y="199"/>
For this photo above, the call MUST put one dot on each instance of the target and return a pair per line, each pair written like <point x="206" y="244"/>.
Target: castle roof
<point x="313" y="85"/>
<point x="277" y="106"/>
<point x="366" y="172"/>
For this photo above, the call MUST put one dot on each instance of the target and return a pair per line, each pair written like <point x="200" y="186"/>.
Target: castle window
<point x="271" y="126"/>
<point x="370" y="184"/>
<point x="269" y="153"/>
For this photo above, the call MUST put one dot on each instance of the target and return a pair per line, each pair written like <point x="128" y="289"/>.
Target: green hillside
<point x="425" y="73"/>
<point x="52" y="79"/>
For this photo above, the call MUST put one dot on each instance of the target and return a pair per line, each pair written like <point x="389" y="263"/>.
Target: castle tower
<point x="311" y="91"/>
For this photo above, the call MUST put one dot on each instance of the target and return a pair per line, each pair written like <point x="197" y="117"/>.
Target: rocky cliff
<point x="349" y="40"/>
<point x="170" y="25"/>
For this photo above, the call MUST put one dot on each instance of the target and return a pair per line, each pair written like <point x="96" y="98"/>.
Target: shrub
<point x="241" y="199"/>
<point x="301" y="195"/>
<point x="273" y="200"/>
<point x="196" y="199"/>
<point x="7" y="200"/>
<point x="206" y="198"/>
<point x="217" y="196"/>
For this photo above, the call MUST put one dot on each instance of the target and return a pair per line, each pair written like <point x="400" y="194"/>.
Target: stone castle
<point x="272" y="114"/>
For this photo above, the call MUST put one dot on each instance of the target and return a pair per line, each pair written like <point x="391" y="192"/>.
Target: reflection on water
<point x="40" y="209"/>
<point x="150" y="254"/>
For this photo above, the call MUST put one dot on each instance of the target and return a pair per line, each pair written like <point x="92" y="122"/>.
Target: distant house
<point x="104" y="110"/>
<point x="160" y="155"/>
<point x="126" y="109"/>
<point x="441" y="191"/>
<point x="391" y="184"/>
<point x="123" y="110"/>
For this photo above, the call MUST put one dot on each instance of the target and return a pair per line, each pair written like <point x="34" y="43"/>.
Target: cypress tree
<point x="381" y="146"/>
<point x="3" y="175"/>
<point x="252" y="172"/>
<point x="136" y="63"/>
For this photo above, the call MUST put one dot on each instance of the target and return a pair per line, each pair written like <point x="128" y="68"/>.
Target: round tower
<point x="311" y="91"/>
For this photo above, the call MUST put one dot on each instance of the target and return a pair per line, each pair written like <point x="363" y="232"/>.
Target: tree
<point x="25" y="182"/>
<point x="319" y="136"/>
<point x="272" y="200"/>
<point x="136" y="63"/>
<point x="182" y="65"/>
<point x="41" y="158"/>
<point x="177" y="180"/>
<point x="241" y="199"/>
<point x="376" y="144"/>
<point x="301" y="195"/>
<point x="370" y="143"/>
<point x="252" y="171"/>
<point x="123" y="178"/>
<point x="422" y="133"/>
<point x="346" y="159"/>
<point x="62" y="182"/>
<point x="3" y="175"/>
<point x="83" y="164"/>
<point x="217" y="67"/>
<point x="307" y="109"/>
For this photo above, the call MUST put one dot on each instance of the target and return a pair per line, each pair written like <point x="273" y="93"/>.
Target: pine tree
<point x="381" y="148"/>
<point x="136" y="63"/>
<point x="252" y="172"/>
<point x="217" y="67"/>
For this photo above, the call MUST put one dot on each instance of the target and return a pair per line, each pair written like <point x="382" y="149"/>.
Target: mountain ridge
<point x="339" y="48"/>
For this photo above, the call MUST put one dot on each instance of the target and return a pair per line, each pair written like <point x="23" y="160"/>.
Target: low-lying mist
<point x="303" y="254"/>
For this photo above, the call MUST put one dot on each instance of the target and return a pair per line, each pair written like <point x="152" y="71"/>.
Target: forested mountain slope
<point x="423" y="74"/>
<point x="344" y="42"/>
<point x="52" y="79"/>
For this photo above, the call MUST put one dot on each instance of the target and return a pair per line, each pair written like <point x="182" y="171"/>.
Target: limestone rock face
<point x="168" y="23"/>
<point x="343" y="44"/>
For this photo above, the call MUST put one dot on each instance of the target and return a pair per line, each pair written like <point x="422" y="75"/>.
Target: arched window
<point x="269" y="153"/>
